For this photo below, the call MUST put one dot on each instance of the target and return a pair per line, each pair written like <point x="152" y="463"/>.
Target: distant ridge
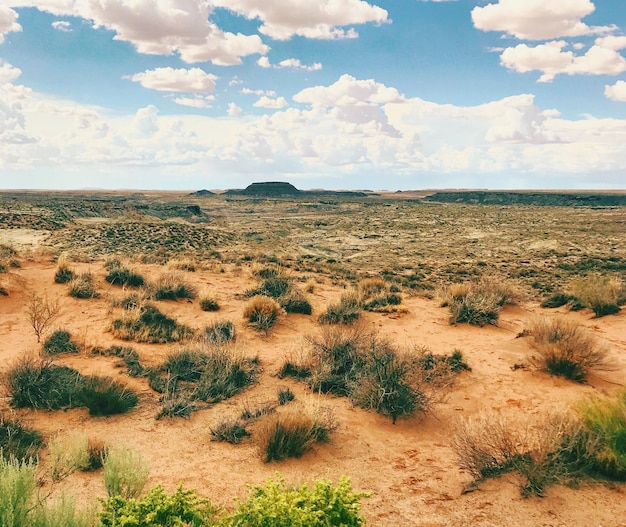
<point x="270" y="189"/>
<point x="551" y="198"/>
<point x="203" y="192"/>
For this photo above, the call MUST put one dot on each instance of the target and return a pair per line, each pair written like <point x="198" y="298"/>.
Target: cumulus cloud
<point x="62" y="25"/>
<point x="603" y="58"/>
<point x="616" y="92"/>
<point x="538" y="19"/>
<point x="321" y="19"/>
<point x="8" y="22"/>
<point x="234" y="110"/>
<point x="195" y="102"/>
<point x="264" y="62"/>
<point x="192" y="80"/>
<point x="267" y="102"/>
<point x="160" y="27"/>
<point x="248" y="91"/>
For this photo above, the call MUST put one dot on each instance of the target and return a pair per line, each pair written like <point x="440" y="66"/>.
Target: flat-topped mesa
<point x="271" y="188"/>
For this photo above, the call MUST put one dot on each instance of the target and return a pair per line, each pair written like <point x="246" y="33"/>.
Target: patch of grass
<point x="297" y="371"/>
<point x="63" y="274"/>
<point x="128" y="356"/>
<point x="262" y="312"/>
<point x="295" y="302"/>
<point x="220" y="332"/>
<point x="291" y="433"/>
<point x="82" y="286"/>
<point x="285" y="395"/>
<point x="103" y="396"/>
<point x="209" y="303"/>
<point x="601" y="293"/>
<point x="565" y="348"/>
<point x="18" y="441"/>
<point x="231" y="431"/>
<point x="123" y="276"/>
<point x="59" y="342"/>
<point x="208" y="376"/>
<point x="558" y="300"/>
<point x="148" y="324"/>
<point x="125" y="472"/>
<point x="347" y="311"/>
<point x="41" y="384"/>
<point x="605" y="420"/>
<point x="171" y="286"/>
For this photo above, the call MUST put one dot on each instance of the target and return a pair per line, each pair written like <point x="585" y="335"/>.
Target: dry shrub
<point x="172" y="286"/>
<point x="82" y="286"/>
<point x="347" y="311"/>
<point x="565" y="348"/>
<point x="230" y="431"/>
<point x="478" y="303"/>
<point x="41" y="313"/>
<point x="601" y="293"/>
<point x="262" y="312"/>
<point x="208" y="302"/>
<point x="294" y="431"/>
<point x="371" y="287"/>
<point x="183" y="264"/>
<point x="18" y="441"/>
<point x="148" y="324"/>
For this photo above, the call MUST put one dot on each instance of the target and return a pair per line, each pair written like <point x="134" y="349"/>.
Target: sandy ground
<point x="409" y="468"/>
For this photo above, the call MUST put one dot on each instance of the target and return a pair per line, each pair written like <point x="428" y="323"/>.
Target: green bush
<point x="278" y="505"/>
<point x="558" y="300"/>
<point x="103" y="396"/>
<point x="83" y="287"/>
<point x="148" y="324"/>
<point x="36" y="384"/>
<point x="158" y="509"/>
<point x="63" y="274"/>
<point x="124" y="277"/>
<point x="125" y="472"/>
<point x="17" y="441"/>
<point x="59" y="342"/>
<point x="295" y="303"/>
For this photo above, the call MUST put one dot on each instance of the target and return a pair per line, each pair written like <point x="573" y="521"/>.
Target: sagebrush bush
<point x="293" y="432"/>
<point x="63" y="274"/>
<point x="59" y="342"/>
<point x="18" y="441"/>
<point x="294" y="302"/>
<point x="68" y="454"/>
<point x="18" y="483"/>
<point x="82" y="286"/>
<point x="601" y="293"/>
<point x="262" y="312"/>
<point x="125" y="472"/>
<point x="171" y="286"/>
<point x="276" y="504"/>
<point x="148" y="324"/>
<point x="565" y="348"/>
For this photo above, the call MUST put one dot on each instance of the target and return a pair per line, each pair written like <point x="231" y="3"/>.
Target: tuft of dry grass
<point x="601" y="293"/>
<point x="262" y="312"/>
<point x="565" y="348"/>
<point x="170" y="285"/>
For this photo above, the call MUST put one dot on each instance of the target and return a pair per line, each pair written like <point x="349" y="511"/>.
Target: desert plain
<point x="326" y="244"/>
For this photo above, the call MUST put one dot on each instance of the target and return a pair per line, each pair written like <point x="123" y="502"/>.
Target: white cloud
<point x="195" y="102"/>
<point x="617" y="92"/>
<point x="234" y="110"/>
<point x="602" y="58"/>
<point x="264" y="62"/>
<point x="320" y="19"/>
<point x="267" y="102"/>
<point x="248" y="91"/>
<point x="538" y="19"/>
<point x="192" y="80"/>
<point x="62" y="25"/>
<point x="160" y="27"/>
<point x="348" y="129"/>
<point x="8" y="22"/>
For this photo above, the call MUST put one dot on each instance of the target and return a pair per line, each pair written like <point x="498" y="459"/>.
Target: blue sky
<point x="381" y="94"/>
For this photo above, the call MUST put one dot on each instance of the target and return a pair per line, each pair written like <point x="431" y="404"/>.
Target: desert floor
<point x="409" y="468"/>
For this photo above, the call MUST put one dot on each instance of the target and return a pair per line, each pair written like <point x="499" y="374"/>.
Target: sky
<point x="335" y="94"/>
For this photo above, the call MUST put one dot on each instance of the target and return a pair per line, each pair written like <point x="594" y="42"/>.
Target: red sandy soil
<point x="409" y="468"/>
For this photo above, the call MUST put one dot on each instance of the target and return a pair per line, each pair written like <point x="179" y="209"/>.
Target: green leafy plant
<point x="280" y="505"/>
